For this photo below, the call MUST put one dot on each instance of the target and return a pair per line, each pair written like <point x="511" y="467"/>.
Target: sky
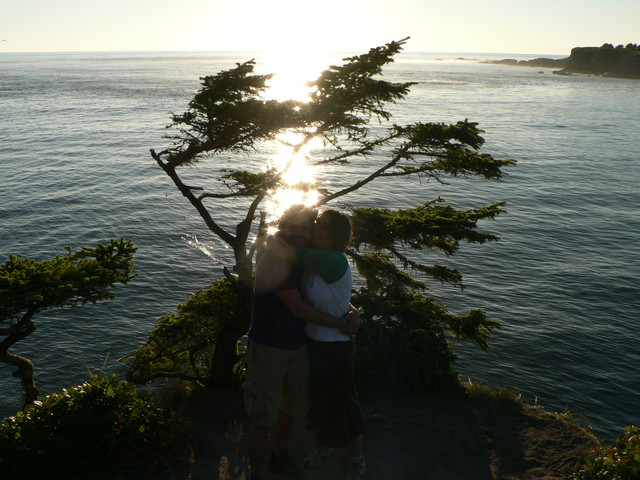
<point x="493" y="26"/>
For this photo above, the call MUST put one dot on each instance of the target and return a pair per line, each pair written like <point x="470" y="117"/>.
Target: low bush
<point x="393" y="357"/>
<point x="183" y="344"/>
<point x="90" y="431"/>
<point x="619" y="461"/>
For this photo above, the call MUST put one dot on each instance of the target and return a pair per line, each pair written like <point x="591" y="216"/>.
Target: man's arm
<point x="348" y="324"/>
<point x="294" y="302"/>
<point x="271" y="273"/>
<point x="351" y="321"/>
<point x="278" y="247"/>
<point x="329" y="264"/>
<point x="272" y="265"/>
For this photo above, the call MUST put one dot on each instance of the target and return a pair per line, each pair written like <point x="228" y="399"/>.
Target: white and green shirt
<point x="326" y="286"/>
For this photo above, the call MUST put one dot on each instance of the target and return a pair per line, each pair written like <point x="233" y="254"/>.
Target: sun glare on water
<point x="292" y="72"/>
<point x="298" y="177"/>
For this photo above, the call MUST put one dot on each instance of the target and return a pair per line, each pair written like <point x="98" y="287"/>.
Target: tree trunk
<point x="25" y="366"/>
<point x="225" y="358"/>
<point x="225" y="354"/>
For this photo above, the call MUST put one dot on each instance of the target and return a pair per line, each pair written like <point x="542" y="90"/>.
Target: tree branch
<point x="262" y="234"/>
<point x="24" y="365"/>
<point x="183" y="376"/>
<point x="350" y="153"/>
<point x="220" y="195"/>
<point x="186" y="191"/>
<point x="368" y="179"/>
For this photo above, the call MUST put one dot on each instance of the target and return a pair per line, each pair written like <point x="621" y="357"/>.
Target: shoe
<point x="317" y="456"/>
<point x="284" y="464"/>
<point x="357" y="468"/>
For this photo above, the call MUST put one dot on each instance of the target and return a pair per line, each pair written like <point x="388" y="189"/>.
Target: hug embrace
<point x="302" y="343"/>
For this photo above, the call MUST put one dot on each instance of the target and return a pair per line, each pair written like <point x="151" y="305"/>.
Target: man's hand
<point x="351" y="322"/>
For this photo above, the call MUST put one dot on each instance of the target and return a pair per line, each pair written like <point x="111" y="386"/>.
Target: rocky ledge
<point x="537" y="62"/>
<point x="443" y="436"/>
<point x="606" y="61"/>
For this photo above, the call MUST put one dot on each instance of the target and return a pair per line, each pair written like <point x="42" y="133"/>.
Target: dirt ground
<point x="421" y="437"/>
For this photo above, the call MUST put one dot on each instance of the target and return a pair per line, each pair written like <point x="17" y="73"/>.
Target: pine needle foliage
<point x="183" y="344"/>
<point x="28" y="287"/>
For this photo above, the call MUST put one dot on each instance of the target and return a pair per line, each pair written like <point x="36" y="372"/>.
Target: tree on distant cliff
<point x="28" y="287"/>
<point x="348" y="117"/>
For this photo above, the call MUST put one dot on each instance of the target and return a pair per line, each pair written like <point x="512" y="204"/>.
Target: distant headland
<point x="607" y="60"/>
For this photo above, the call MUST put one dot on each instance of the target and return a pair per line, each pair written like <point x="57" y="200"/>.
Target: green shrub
<point x="97" y="428"/>
<point x="620" y="461"/>
<point x="390" y="356"/>
<point x="401" y="343"/>
<point x="183" y="344"/>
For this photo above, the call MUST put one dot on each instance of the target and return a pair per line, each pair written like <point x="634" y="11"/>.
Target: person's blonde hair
<point x="297" y="211"/>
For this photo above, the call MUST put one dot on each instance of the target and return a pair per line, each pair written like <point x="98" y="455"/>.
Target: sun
<point x="292" y="71"/>
<point x="296" y="42"/>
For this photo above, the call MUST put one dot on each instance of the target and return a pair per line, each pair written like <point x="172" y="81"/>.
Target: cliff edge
<point x="444" y="436"/>
<point x="623" y="62"/>
<point x="607" y="61"/>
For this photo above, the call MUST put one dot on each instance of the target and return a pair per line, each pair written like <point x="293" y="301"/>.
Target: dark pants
<point x="334" y="414"/>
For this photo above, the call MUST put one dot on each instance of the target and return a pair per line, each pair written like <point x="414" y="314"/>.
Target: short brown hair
<point x="340" y="228"/>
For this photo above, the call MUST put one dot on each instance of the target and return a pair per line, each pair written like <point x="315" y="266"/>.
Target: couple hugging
<point x="301" y="349"/>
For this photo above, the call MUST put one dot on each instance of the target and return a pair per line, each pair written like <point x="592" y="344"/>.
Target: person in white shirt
<point x="335" y="413"/>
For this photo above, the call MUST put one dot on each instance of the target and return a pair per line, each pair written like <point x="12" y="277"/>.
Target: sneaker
<point x="357" y="469"/>
<point x="317" y="456"/>
<point x="284" y="464"/>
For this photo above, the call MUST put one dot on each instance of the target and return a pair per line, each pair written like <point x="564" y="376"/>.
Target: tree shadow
<point x="218" y="443"/>
<point x="444" y="436"/>
<point x="502" y="423"/>
<point x="426" y="437"/>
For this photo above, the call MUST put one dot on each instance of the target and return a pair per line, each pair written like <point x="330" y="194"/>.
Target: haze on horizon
<point x="298" y="26"/>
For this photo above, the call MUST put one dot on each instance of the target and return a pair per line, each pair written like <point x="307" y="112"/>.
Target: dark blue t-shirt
<point x="272" y="323"/>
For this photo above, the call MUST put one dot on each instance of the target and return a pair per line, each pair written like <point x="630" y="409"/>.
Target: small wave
<point x="208" y="250"/>
<point x="436" y="81"/>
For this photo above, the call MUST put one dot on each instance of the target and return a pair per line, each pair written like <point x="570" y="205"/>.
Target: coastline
<point x="604" y="61"/>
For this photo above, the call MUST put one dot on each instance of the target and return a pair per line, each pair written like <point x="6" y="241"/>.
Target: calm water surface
<point x="75" y="132"/>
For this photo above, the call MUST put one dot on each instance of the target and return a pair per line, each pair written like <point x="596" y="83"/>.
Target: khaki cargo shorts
<point x="276" y="379"/>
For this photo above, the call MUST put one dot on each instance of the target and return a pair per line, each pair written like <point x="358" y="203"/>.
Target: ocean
<point x="75" y="169"/>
